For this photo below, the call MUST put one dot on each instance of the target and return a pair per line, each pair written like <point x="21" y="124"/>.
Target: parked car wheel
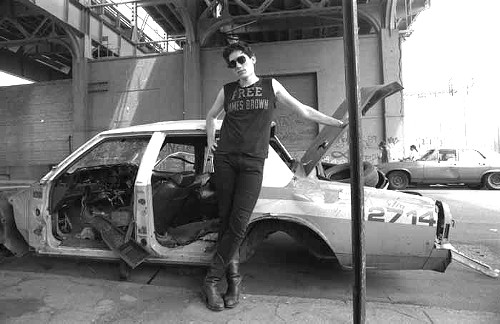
<point x="493" y="181"/>
<point x="398" y="180"/>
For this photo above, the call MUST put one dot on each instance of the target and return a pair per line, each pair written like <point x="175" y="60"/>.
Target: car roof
<point x="174" y="125"/>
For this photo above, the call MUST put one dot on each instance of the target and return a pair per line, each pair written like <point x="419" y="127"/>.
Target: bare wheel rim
<point x="398" y="180"/>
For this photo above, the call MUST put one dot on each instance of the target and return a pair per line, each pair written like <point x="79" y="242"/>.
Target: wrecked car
<point x="146" y="194"/>
<point x="153" y="184"/>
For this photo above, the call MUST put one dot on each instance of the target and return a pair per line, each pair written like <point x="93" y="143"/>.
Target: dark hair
<point x="239" y="46"/>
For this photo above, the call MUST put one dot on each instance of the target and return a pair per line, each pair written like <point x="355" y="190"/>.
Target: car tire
<point x="398" y="180"/>
<point x="493" y="181"/>
<point x="342" y="173"/>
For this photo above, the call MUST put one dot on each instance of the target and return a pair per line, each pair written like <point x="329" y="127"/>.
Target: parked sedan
<point x="467" y="166"/>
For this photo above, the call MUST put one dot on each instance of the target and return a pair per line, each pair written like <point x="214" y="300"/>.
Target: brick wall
<point x="35" y="125"/>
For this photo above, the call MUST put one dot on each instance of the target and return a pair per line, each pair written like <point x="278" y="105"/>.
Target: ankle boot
<point x="211" y="295"/>
<point x="232" y="296"/>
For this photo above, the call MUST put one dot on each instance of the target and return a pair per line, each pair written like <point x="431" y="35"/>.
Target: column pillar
<point x="192" y="68"/>
<point x="192" y="81"/>
<point x="393" y="108"/>
<point x="81" y="50"/>
<point x="81" y="114"/>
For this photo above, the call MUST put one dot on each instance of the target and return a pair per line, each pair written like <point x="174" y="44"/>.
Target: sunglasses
<point x="240" y="59"/>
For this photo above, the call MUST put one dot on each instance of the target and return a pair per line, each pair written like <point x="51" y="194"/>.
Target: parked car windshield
<point x="430" y="155"/>
<point x="491" y="155"/>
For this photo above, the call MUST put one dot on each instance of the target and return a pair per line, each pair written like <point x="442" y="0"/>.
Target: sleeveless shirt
<point x="247" y="124"/>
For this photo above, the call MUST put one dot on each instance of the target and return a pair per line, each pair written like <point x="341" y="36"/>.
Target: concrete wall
<point x="325" y="58"/>
<point x="132" y="91"/>
<point x="35" y="128"/>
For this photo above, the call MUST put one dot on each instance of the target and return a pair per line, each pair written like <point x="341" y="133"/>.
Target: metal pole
<point x="351" y="50"/>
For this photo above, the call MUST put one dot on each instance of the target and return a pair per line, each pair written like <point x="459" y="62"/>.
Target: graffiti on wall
<point x="339" y="152"/>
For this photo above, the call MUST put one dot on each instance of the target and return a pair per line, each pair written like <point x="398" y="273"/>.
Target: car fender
<point x="489" y="171"/>
<point x="31" y="216"/>
<point x="299" y="229"/>
<point x="399" y="169"/>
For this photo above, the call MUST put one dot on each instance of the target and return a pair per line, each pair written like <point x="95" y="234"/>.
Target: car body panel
<point x="327" y="209"/>
<point x="29" y="206"/>
<point x="472" y="165"/>
<point x="436" y="171"/>
<point x="401" y="229"/>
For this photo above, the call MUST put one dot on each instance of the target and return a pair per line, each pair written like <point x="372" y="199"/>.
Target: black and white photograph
<point x="249" y="161"/>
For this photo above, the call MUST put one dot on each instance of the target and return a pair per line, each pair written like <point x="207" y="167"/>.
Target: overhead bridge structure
<point x="121" y="62"/>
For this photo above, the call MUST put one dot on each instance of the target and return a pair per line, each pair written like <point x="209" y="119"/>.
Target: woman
<point x="248" y="103"/>
<point x="413" y="153"/>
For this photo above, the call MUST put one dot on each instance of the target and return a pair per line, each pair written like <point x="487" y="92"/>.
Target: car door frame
<point x="195" y="253"/>
<point x="48" y="244"/>
<point x="441" y="171"/>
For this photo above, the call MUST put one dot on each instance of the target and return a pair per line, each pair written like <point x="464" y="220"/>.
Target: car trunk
<point x="329" y="134"/>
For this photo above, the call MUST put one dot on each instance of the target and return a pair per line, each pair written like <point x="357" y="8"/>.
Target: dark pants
<point x="238" y="184"/>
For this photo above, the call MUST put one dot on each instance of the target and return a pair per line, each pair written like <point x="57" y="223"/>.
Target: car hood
<point x="327" y="136"/>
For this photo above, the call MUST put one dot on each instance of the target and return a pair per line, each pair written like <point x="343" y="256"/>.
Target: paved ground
<point x="29" y="297"/>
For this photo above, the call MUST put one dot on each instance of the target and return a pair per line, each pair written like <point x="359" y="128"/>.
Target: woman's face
<point x="244" y="66"/>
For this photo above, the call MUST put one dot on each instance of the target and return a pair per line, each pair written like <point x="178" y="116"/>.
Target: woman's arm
<point x="304" y="111"/>
<point x="216" y="109"/>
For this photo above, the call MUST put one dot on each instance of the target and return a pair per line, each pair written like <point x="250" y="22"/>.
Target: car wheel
<point x="398" y="180"/>
<point x="342" y="173"/>
<point x="493" y="181"/>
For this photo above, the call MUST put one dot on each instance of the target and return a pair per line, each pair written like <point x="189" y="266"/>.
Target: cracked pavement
<point x="29" y="297"/>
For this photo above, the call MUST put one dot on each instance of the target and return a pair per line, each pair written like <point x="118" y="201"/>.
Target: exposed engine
<point x="106" y="191"/>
